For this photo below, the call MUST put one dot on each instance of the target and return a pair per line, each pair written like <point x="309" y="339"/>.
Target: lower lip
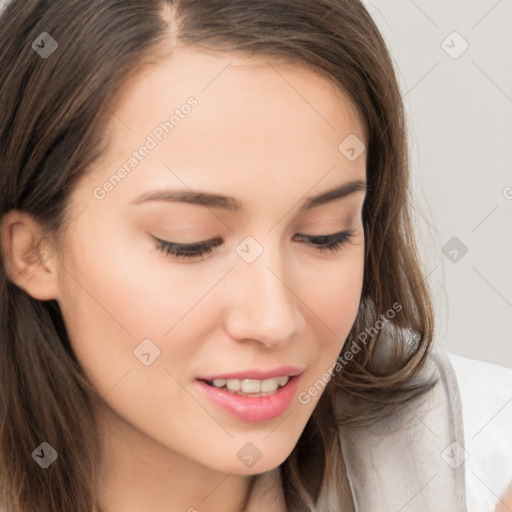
<point x="253" y="409"/>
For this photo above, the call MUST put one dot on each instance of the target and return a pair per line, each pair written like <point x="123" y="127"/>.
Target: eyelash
<point x="330" y="243"/>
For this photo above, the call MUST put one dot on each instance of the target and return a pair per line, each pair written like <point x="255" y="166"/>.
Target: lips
<point x="255" y="374"/>
<point x="251" y="409"/>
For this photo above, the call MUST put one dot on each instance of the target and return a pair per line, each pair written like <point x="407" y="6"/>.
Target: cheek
<point x="333" y="296"/>
<point x="113" y="300"/>
<point x="336" y="296"/>
<point x="332" y="288"/>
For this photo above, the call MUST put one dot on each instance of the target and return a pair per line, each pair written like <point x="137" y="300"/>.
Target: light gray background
<point x="460" y="120"/>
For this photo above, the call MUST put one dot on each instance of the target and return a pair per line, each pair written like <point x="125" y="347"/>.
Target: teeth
<point x="233" y="384"/>
<point x="251" y="385"/>
<point x="284" y="380"/>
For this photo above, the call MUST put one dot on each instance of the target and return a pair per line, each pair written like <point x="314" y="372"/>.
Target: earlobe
<point x="28" y="255"/>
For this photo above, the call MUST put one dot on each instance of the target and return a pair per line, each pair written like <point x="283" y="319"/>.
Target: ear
<point x="29" y="255"/>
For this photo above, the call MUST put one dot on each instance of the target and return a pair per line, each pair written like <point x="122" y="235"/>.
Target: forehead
<point x="254" y="118"/>
<point x="228" y="78"/>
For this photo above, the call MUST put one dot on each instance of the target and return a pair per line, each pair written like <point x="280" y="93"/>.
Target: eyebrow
<point x="231" y="204"/>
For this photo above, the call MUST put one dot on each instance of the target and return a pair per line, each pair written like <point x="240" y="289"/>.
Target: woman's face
<point x="146" y="323"/>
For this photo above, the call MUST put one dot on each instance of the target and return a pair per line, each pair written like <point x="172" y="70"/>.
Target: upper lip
<point x="256" y="374"/>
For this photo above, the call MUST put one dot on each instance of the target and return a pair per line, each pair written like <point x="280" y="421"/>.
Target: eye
<point x="330" y="243"/>
<point x="196" y="250"/>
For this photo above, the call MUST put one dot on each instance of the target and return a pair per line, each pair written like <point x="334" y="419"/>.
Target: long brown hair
<point x="51" y="132"/>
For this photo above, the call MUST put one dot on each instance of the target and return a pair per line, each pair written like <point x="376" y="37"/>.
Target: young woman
<point x="211" y="298"/>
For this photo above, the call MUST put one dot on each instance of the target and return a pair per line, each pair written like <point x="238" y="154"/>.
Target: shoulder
<point x="486" y="396"/>
<point x="414" y="460"/>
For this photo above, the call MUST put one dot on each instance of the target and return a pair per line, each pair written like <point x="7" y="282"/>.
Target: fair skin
<point x="505" y="504"/>
<point x="252" y="136"/>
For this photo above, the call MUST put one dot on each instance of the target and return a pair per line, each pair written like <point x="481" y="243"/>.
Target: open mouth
<point x="250" y="387"/>
<point x="251" y="400"/>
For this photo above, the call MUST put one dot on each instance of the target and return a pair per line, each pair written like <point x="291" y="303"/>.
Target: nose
<point x="262" y="304"/>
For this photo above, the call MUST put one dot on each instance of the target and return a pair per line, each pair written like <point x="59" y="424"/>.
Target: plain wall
<point x="460" y="123"/>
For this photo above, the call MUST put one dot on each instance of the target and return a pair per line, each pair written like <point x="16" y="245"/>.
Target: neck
<point x="138" y="473"/>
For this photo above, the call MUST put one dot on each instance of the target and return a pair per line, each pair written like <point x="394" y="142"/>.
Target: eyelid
<point x="327" y="236"/>
<point x="330" y="242"/>
<point x="200" y="247"/>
